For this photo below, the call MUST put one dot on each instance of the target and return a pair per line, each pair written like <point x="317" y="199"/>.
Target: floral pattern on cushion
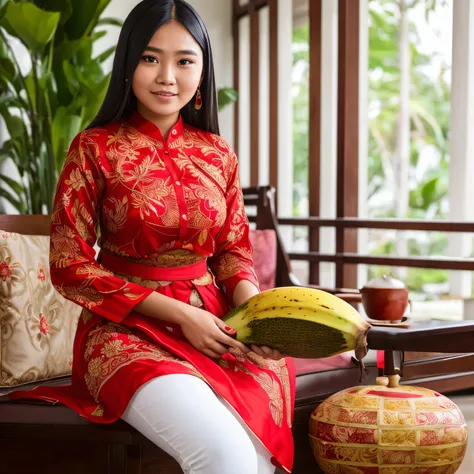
<point x="37" y="325"/>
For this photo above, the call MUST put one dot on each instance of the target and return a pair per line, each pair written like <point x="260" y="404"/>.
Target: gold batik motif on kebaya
<point x="162" y="205"/>
<point x="111" y="347"/>
<point x="279" y="392"/>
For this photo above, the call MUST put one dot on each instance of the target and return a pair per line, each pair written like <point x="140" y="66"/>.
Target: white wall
<point x="217" y="15"/>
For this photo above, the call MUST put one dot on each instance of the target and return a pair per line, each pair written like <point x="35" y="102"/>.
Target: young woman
<point x="153" y="174"/>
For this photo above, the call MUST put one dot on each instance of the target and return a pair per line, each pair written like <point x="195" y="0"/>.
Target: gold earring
<point x="198" y="103"/>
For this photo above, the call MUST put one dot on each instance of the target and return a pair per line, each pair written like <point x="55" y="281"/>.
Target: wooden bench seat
<point x="31" y="422"/>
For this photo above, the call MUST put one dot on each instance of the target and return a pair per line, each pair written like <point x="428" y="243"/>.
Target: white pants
<point x="183" y="416"/>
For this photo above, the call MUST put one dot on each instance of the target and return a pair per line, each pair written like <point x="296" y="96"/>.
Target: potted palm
<point x="58" y="95"/>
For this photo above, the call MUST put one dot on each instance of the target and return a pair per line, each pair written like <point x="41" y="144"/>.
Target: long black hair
<point x="139" y="27"/>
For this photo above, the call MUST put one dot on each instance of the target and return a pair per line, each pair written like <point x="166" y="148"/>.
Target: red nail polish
<point x="227" y="328"/>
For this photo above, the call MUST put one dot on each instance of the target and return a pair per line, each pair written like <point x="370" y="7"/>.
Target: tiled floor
<point x="466" y="404"/>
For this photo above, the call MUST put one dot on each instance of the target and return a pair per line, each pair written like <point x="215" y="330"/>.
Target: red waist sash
<point x="117" y="264"/>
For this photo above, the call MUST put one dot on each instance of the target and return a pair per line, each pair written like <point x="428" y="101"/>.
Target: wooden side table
<point x="449" y="337"/>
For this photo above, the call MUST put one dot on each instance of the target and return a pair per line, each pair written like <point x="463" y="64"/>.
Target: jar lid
<point x="386" y="281"/>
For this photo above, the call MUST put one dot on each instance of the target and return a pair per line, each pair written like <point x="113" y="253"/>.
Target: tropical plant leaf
<point x="62" y="6"/>
<point x="33" y="26"/>
<point x="226" y="96"/>
<point x="3" y="8"/>
<point x="65" y="127"/>
<point x="84" y="52"/>
<point x="417" y="108"/>
<point x="68" y="49"/>
<point x="7" y="70"/>
<point x="71" y="73"/>
<point x="97" y="35"/>
<point x="428" y="192"/>
<point x="14" y="185"/>
<point x="85" y="14"/>
<point x="15" y="125"/>
<point x="14" y="201"/>
<point x="110" y="22"/>
<point x="102" y="57"/>
<point x="37" y="89"/>
<point x="47" y="177"/>
<point x="91" y="108"/>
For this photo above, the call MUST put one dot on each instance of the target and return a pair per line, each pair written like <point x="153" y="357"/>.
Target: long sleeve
<point x="232" y="261"/>
<point x="74" y="271"/>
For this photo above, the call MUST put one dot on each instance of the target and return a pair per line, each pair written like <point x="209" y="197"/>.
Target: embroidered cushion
<point x="264" y="246"/>
<point x="37" y="325"/>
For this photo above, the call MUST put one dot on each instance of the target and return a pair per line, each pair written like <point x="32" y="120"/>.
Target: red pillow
<point x="264" y="245"/>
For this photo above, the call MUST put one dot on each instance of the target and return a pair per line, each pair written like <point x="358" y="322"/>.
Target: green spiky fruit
<point x="300" y="322"/>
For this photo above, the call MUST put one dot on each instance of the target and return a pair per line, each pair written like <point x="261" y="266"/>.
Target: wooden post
<point x="254" y="94"/>
<point x="236" y="53"/>
<point x="315" y="16"/>
<point x="273" y="5"/>
<point x="347" y="136"/>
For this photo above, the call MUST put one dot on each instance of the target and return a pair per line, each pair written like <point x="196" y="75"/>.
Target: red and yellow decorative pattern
<point x="381" y="430"/>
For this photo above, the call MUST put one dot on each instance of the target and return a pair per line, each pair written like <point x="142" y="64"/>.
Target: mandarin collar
<point x="150" y="129"/>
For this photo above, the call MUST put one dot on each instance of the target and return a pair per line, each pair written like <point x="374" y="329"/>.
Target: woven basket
<point x="381" y="430"/>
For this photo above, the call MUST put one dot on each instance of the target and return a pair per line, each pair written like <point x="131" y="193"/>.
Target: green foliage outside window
<point x="429" y="128"/>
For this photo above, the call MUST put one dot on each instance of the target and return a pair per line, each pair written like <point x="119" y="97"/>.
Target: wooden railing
<point x="341" y="258"/>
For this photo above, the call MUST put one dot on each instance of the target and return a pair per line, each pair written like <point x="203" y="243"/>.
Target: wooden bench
<point x="57" y="440"/>
<point x="118" y="448"/>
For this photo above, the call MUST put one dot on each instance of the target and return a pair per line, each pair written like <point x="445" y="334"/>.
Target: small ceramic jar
<point x="385" y="299"/>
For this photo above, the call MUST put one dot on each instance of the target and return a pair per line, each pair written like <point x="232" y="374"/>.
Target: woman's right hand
<point x="209" y="334"/>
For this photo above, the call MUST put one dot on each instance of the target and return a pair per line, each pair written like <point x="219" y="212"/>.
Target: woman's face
<point x="169" y="72"/>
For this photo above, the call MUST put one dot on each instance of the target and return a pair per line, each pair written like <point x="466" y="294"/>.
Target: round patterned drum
<point x="382" y="430"/>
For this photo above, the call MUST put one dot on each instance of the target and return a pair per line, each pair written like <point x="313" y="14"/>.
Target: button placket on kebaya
<point x="177" y="184"/>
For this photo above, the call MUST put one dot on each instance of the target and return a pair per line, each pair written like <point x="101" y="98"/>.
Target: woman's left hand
<point x="266" y="352"/>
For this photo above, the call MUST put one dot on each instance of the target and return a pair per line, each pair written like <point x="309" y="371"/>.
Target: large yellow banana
<point x="300" y="322"/>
